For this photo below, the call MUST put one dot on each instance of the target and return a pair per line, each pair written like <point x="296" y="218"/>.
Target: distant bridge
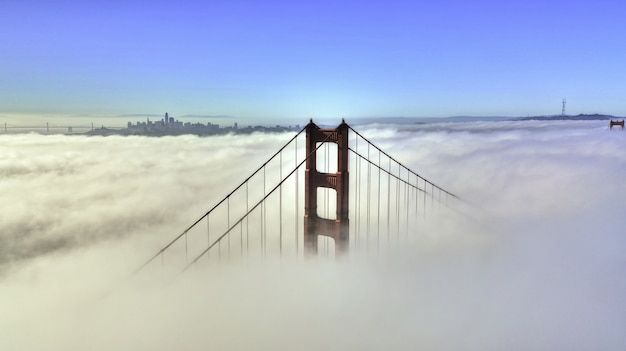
<point x="48" y="128"/>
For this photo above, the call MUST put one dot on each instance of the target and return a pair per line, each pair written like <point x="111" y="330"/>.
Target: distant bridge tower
<point x="338" y="229"/>
<point x="563" y="109"/>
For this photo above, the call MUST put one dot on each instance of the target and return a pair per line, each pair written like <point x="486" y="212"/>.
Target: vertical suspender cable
<point x="417" y="196"/>
<point x="389" y="201"/>
<point x="280" y="207"/>
<point x="378" y="210"/>
<point x="219" y="243"/>
<point x="398" y="203"/>
<point x="424" y="206"/>
<point x="432" y="198"/>
<point x="356" y="198"/>
<point x="263" y="219"/>
<point x="208" y="233"/>
<point x="241" y="239"/>
<point x="406" y="195"/>
<point x="369" y="181"/>
<point x="403" y="198"/>
<point x="357" y="204"/>
<point x="228" y="216"/>
<point x="297" y="190"/>
<point x="439" y="204"/>
<point x="247" y="222"/>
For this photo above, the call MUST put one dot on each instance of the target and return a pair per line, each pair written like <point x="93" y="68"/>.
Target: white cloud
<point x="541" y="266"/>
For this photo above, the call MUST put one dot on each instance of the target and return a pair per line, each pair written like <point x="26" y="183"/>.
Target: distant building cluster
<point x="169" y="124"/>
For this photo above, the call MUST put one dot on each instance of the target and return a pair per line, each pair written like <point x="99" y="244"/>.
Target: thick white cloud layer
<point x="539" y="265"/>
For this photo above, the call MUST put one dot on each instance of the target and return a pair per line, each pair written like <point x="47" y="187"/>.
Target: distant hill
<point x="580" y="117"/>
<point x="412" y="120"/>
<point x="421" y="120"/>
<point x="472" y="118"/>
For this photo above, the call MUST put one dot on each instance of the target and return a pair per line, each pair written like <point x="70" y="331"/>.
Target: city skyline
<point x="280" y="60"/>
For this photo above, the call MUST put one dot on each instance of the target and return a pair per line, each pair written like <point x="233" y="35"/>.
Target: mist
<point x="535" y="261"/>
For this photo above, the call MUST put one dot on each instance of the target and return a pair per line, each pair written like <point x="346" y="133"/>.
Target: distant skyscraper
<point x="167" y="118"/>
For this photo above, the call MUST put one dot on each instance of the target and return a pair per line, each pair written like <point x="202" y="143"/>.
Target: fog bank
<point x="539" y="265"/>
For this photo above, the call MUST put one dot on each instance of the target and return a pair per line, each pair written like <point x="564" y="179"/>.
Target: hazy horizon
<point x="120" y="121"/>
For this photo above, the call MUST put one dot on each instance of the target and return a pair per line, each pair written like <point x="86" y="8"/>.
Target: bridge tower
<point x="314" y="225"/>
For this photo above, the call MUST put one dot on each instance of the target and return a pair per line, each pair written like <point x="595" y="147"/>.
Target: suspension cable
<point x="219" y="203"/>
<point x="398" y="162"/>
<point x="253" y="207"/>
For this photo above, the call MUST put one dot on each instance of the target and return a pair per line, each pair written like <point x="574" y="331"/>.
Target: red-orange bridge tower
<point x="314" y="225"/>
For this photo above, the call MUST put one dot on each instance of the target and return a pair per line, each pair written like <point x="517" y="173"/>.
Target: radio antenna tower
<point x="563" y="109"/>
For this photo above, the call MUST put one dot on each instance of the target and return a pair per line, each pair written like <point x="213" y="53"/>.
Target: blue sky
<point x="294" y="60"/>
